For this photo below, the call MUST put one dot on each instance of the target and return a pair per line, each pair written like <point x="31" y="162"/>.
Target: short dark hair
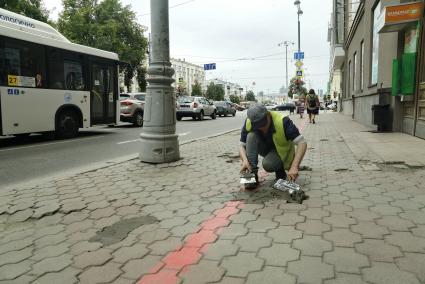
<point x="311" y="92"/>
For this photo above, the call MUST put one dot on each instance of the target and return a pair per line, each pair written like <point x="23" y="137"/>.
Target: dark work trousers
<point x="256" y="146"/>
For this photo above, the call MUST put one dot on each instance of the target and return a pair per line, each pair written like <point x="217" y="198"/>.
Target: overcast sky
<point x="226" y="31"/>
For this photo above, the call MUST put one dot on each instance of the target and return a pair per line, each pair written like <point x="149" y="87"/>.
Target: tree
<point x="215" y="92"/>
<point x="141" y="78"/>
<point x="30" y="8"/>
<point x="197" y="90"/>
<point x="250" y="96"/>
<point x="296" y="87"/>
<point x="235" y="99"/>
<point x="107" y="25"/>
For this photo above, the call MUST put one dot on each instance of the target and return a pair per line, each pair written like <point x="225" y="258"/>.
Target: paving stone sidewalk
<point x="189" y="221"/>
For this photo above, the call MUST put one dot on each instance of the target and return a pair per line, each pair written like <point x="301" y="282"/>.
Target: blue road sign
<point x="210" y="66"/>
<point x="299" y="55"/>
<point x="299" y="73"/>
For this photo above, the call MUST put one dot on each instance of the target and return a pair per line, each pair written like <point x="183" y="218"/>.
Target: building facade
<point x="229" y="88"/>
<point x="186" y="74"/>
<point x="373" y="49"/>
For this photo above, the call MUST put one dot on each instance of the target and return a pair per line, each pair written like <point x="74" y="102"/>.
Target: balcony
<point x="337" y="57"/>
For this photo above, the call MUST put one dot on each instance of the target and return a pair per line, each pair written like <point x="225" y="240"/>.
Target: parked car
<point x="286" y="107"/>
<point x="224" y="108"/>
<point x="238" y="107"/>
<point x="132" y="108"/>
<point x="195" y="107"/>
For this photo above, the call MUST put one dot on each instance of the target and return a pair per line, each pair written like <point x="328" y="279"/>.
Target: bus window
<point x="23" y="65"/>
<point x="73" y="72"/>
<point x="56" y="76"/>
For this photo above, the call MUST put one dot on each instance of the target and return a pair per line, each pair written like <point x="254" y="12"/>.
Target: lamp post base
<point x="159" y="148"/>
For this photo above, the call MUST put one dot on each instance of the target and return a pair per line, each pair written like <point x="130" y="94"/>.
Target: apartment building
<point x="186" y="74"/>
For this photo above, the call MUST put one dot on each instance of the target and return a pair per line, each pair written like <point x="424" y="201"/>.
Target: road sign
<point x="300" y="73"/>
<point x="299" y="64"/>
<point x="299" y="55"/>
<point x="180" y="80"/>
<point x="210" y="66"/>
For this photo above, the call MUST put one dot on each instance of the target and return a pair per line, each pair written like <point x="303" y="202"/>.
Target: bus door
<point x="103" y="93"/>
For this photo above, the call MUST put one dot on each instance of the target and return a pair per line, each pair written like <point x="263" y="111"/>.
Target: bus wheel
<point x="67" y="124"/>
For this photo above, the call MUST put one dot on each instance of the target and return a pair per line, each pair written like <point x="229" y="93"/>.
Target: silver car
<point x="132" y="108"/>
<point x="195" y="107"/>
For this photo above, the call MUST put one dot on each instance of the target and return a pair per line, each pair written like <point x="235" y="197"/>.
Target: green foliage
<point x="296" y="87"/>
<point x="235" y="99"/>
<point x="107" y="25"/>
<point x="215" y="92"/>
<point x="141" y="78"/>
<point x="250" y="96"/>
<point x="30" y="8"/>
<point x="197" y="90"/>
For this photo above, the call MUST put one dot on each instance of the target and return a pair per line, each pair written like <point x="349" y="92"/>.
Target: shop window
<point x="378" y="22"/>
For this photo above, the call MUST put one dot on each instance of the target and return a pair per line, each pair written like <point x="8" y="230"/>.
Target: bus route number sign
<point x="13" y="80"/>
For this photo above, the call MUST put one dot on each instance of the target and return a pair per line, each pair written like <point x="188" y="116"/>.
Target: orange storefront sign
<point x="403" y="13"/>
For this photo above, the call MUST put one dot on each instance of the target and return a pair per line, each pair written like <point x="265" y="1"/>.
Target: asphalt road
<point x="38" y="157"/>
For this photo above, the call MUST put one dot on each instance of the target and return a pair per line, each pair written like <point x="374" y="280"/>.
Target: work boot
<point x="281" y="174"/>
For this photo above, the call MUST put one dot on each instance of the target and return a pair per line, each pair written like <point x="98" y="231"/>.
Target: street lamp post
<point x="299" y="12"/>
<point x="159" y="142"/>
<point x="286" y="44"/>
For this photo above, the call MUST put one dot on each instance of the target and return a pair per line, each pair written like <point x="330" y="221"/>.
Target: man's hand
<point x="245" y="166"/>
<point x="293" y="174"/>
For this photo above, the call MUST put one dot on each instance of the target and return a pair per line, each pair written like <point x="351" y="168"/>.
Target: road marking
<point x="49" y="144"/>
<point x="130" y="141"/>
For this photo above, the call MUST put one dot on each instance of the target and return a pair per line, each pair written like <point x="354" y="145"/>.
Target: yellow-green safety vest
<point x="284" y="148"/>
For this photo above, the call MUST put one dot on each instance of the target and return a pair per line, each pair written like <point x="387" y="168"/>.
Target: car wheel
<point x="234" y="114"/>
<point x="194" y="117"/>
<point x="138" y="119"/>
<point x="67" y="124"/>
<point x="179" y="117"/>
<point x="201" y="116"/>
<point x="214" y="115"/>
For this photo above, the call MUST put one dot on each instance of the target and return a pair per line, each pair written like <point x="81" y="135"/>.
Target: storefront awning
<point x="400" y="17"/>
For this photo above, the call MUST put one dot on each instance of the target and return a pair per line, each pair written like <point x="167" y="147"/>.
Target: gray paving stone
<point x="68" y="207"/>
<point x="20" y="216"/>
<point x="125" y="254"/>
<point x="363" y="215"/>
<point x="413" y="262"/>
<point x="343" y="278"/>
<point x="315" y="213"/>
<point x="12" y="271"/>
<point x="52" y="264"/>
<point x="278" y="254"/>
<point x="406" y="241"/>
<point x="244" y="217"/>
<point x="165" y="246"/>
<point x="284" y="234"/>
<point x="50" y="251"/>
<point x="339" y="221"/>
<point x="100" y="274"/>
<point x="378" y="250"/>
<point x="136" y="268"/>
<point x="93" y="258"/>
<point x="84" y="246"/>
<point x="395" y="223"/>
<point x="370" y="230"/>
<point x="15" y="256"/>
<point x="289" y="219"/>
<point x="310" y="270"/>
<point x="313" y="227"/>
<point x="388" y="273"/>
<point x="270" y="275"/>
<point x="16" y="245"/>
<point x="253" y="242"/>
<point x="261" y="225"/>
<point x="241" y="264"/>
<point x="312" y="245"/>
<point x="66" y="276"/>
<point x="232" y="232"/>
<point x="46" y="210"/>
<point x="346" y="260"/>
<point x="206" y="271"/>
<point x="220" y="249"/>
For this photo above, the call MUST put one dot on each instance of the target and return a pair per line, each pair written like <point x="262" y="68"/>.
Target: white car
<point x="132" y="108"/>
<point x="195" y="107"/>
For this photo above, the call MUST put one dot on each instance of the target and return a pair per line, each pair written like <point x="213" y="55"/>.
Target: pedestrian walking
<point x="313" y="103"/>
<point x="273" y="136"/>
<point x="301" y="106"/>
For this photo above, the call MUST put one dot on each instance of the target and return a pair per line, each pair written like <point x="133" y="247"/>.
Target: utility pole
<point x="159" y="142"/>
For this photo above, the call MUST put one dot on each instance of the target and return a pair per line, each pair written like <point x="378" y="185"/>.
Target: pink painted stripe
<point x="175" y="262"/>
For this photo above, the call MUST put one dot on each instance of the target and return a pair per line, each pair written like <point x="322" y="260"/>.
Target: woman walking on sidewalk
<point x="312" y="105"/>
<point x="301" y="106"/>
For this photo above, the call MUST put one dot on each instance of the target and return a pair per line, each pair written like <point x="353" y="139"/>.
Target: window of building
<point x="378" y="22"/>
<point x="361" y="65"/>
<point x="22" y="64"/>
<point x="354" y="71"/>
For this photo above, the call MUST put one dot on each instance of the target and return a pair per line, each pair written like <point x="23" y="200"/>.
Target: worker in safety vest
<point x="273" y="136"/>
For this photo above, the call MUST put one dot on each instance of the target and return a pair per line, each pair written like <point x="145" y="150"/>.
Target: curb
<point x="97" y="166"/>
